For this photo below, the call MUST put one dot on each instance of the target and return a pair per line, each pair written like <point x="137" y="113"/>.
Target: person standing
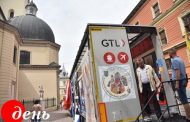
<point x="148" y="82"/>
<point x="179" y="74"/>
<point x="37" y="108"/>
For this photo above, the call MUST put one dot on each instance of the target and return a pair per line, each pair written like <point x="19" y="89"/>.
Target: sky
<point x="69" y="18"/>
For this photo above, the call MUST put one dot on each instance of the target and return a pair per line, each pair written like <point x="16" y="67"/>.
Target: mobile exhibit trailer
<point x="103" y="75"/>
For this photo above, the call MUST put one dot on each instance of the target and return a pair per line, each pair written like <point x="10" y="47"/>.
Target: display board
<point x="88" y="90"/>
<point x="114" y="74"/>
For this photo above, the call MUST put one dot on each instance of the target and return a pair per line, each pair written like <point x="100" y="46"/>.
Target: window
<point x="11" y="13"/>
<point x="24" y="57"/>
<point x="31" y="10"/>
<point x="186" y="21"/>
<point x="14" y="55"/>
<point x="156" y="10"/>
<point x="137" y="23"/>
<point x="168" y="63"/>
<point x="163" y="38"/>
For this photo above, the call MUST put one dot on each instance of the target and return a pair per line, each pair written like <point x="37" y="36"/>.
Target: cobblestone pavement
<point x="59" y="116"/>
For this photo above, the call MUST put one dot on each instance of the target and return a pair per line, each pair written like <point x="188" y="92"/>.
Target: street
<point x="59" y="116"/>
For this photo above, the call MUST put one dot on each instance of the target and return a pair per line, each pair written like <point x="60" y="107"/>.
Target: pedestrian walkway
<point x="59" y="116"/>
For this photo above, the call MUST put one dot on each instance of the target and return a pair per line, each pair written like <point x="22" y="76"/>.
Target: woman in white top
<point x="37" y="108"/>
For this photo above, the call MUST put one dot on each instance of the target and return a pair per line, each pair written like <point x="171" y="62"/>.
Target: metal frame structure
<point x="134" y="34"/>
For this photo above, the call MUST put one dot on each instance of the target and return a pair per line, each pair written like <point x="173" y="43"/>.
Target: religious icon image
<point x="116" y="81"/>
<point x="117" y="86"/>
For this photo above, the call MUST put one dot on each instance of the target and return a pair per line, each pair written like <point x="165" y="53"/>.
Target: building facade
<point x="37" y="68"/>
<point x="63" y="79"/>
<point x="9" y="60"/>
<point x="172" y="20"/>
<point x="62" y="87"/>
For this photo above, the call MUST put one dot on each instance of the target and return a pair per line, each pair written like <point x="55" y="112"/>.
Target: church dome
<point x="31" y="27"/>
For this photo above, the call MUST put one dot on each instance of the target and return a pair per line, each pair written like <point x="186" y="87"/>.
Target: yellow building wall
<point x="53" y="55"/>
<point x="30" y="80"/>
<point x="62" y="87"/>
<point x="41" y="55"/>
<point x="17" y="5"/>
<point x="8" y="70"/>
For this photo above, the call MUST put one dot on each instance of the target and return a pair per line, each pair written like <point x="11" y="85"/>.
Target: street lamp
<point x="41" y="91"/>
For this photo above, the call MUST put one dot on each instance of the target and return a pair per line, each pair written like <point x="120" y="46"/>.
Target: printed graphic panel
<point x="116" y="83"/>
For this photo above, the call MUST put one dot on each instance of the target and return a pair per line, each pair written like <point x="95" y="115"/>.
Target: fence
<point x="49" y="102"/>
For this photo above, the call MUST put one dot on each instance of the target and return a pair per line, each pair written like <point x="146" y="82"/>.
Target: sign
<point x="123" y="57"/>
<point x="113" y="43"/>
<point x="114" y="65"/>
<point x="116" y="83"/>
<point x="109" y="58"/>
<point x="113" y="73"/>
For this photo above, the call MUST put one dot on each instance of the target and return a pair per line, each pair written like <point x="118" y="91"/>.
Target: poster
<point x="114" y="75"/>
<point x="116" y="83"/>
<point x="82" y="107"/>
<point x="88" y="91"/>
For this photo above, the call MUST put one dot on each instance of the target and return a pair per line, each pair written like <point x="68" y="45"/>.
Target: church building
<point x="37" y="53"/>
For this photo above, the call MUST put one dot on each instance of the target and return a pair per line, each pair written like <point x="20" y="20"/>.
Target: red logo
<point x="8" y="111"/>
<point x="109" y="58"/>
<point x="123" y="57"/>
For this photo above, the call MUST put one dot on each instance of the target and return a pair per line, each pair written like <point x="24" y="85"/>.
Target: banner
<point x="187" y="38"/>
<point x="67" y="101"/>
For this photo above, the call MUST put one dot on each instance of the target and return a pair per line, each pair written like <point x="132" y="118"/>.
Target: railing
<point x="143" y="109"/>
<point x="49" y="102"/>
<point x="167" y="106"/>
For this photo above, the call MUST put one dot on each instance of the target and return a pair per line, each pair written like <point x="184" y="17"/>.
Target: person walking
<point x="37" y="108"/>
<point x="148" y="82"/>
<point x="179" y="75"/>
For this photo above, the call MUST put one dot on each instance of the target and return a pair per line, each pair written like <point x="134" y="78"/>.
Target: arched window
<point x="11" y="13"/>
<point x="24" y="57"/>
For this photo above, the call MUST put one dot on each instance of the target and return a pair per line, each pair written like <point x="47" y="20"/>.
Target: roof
<point x="32" y="28"/>
<point x="133" y="12"/>
<point x="31" y="3"/>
